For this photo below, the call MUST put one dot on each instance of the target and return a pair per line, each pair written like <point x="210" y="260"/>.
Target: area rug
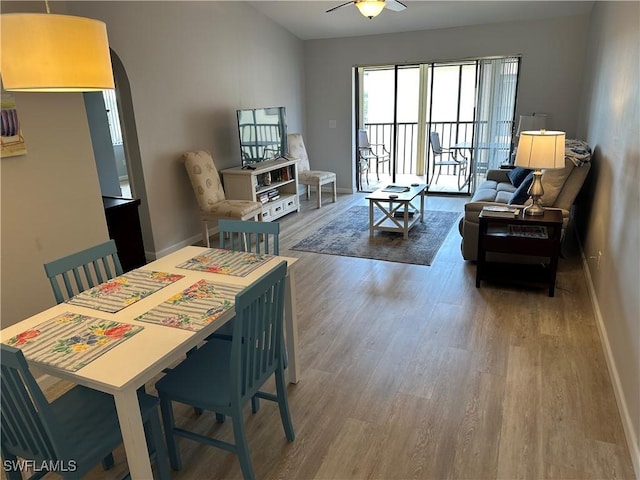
<point x="348" y="235"/>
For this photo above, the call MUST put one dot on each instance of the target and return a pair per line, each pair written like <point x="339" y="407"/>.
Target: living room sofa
<point x="561" y="186"/>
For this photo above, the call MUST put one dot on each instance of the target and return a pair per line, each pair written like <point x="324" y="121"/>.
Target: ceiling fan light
<point x="370" y="8"/>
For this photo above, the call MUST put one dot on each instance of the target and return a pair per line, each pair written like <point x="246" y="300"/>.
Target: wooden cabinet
<point x="537" y="236"/>
<point x="123" y="223"/>
<point x="274" y="183"/>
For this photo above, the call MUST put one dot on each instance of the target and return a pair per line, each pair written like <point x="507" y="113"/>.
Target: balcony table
<point x="138" y="360"/>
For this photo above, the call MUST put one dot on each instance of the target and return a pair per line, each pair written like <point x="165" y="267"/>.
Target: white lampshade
<point x="541" y="149"/>
<point x="370" y="8"/>
<point x="43" y="52"/>
<point x="532" y="122"/>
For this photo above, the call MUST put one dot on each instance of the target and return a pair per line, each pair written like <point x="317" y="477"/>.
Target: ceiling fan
<point x="372" y="8"/>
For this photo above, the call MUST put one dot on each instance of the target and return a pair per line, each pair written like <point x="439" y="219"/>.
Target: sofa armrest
<point x="498" y="175"/>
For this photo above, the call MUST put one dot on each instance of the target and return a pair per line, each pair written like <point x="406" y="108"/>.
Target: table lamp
<point x="537" y="150"/>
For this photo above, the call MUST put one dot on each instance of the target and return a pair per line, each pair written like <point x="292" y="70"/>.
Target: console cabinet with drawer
<point x="274" y="183"/>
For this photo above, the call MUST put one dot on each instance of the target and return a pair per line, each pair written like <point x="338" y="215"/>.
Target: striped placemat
<point x="70" y="340"/>
<point x="226" y="262"/>
<point x="195" y="307"/>
<point x="122" y="291"/>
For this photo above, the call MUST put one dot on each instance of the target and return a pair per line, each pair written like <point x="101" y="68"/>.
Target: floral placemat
<point x="227" y="262"/>
<point x="122" y="291"/>
<point x="195" y="307"/>
<point x="70" y="340"/>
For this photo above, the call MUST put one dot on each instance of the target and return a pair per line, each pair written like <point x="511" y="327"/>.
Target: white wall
<point x="190" y="66"/>
<point x="553" y="53"/>
<point x="50" y="199"/>
<point x="610" y="217"/>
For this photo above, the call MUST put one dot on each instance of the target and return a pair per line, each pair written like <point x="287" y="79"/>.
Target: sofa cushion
<point x="521" y="195"/>
<point x="518" y="175"/>
<point x="553" y="181"/>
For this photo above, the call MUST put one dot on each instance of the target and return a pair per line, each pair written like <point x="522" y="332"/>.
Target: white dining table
<point x="138" y="360"/>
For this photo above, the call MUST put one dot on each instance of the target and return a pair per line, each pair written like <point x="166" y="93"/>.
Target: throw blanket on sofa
<point x="578" y="151"/>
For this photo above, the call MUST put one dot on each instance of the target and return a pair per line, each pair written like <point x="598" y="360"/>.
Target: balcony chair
<point x="210" y="194"/>
<point x="306" y="176"/>
<point x="459" y="164"/>
<point x="368" y="152"/>
<point x="223" y="376"/>
<point x="83" y="270"/>
<point x="69" y="435"/>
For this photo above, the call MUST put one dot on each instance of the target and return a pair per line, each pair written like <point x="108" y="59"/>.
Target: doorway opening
<point x="444" y="123"/>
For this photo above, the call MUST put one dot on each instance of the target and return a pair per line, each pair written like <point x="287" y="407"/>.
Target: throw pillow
<point x="552" y="182"/>
<point x="520" y="196"/>
<point x="517" y="176"/>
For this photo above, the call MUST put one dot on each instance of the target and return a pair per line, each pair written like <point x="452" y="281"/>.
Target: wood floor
<point x="409" y="371"/>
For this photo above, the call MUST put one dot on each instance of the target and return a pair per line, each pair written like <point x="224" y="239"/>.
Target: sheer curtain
<point x="495" y="107"/>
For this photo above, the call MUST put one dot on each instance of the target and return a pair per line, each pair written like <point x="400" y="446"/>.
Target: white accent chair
<point x="306" y="176"/>
<point x="210" y="194"/>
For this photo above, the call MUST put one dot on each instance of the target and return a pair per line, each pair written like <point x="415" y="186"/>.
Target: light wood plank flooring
<point x="411" y="372"/>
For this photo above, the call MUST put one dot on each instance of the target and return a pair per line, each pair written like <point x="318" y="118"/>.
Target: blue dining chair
<point x="83" y="270"/>
<point x="238" y="235"/>
<point x="248" y="236"/>
<point x="222" y="376"/>
<point x="70" y="435"/>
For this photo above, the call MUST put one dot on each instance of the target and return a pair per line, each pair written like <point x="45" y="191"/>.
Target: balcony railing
<point x="451" y="133"/>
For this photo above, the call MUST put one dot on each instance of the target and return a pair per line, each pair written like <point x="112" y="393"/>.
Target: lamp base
<point x="534" y="210"/>
<point x="535" y="191"/>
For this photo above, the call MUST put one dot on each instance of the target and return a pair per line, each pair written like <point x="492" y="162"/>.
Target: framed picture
<point x="12" y="142"/>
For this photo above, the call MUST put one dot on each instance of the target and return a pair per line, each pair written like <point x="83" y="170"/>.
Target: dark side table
<point x="527" y="235"/>
<point x="123" y="223"/>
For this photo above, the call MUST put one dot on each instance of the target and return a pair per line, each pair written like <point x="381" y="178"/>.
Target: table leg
<point x="135" y="444"/>
<point x="291" y="328"/>
<point x="371" y="218"/>
<point x="405" y="228"/>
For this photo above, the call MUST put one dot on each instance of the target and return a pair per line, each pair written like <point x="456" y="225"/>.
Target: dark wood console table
<point x="123" y="223"/>
<point x="537" y="236"/>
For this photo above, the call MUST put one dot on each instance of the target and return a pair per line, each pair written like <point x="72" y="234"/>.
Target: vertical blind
<point x="495" y="108"/>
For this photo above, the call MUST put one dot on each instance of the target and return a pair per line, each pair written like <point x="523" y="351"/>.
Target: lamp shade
<point x="370" y="8"/>
<point x="44" y="52"/>
<point x="541" y="149"/>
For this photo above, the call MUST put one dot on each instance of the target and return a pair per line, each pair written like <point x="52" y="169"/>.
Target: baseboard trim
<point x="627" y="425"/>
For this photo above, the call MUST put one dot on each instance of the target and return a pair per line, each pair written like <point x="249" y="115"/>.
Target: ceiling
<point x="307" y="20"/>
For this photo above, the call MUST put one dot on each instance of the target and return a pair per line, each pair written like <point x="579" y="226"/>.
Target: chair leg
<point x="169" y="423"/>
<point x="283" y="404"/>
<point x="205" y="233"/>
<point x="11" y="466"/>
<point x="335" y="194"/>
<point x="319" y="191"/>
<point x="308" y="192"/>
<point x="107" y="462"/>
<point x="220" y="417"/>
<point x="241" y="445"/>
<point x="255" y="404"/>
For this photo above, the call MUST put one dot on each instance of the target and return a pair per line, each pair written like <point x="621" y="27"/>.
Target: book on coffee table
<point x="395" y="189"/>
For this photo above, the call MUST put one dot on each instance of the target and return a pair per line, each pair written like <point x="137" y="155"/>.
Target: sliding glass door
<point x="466" y="108"/>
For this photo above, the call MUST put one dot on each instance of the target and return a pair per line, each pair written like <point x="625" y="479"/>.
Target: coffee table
<point x="396" y="204"/>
